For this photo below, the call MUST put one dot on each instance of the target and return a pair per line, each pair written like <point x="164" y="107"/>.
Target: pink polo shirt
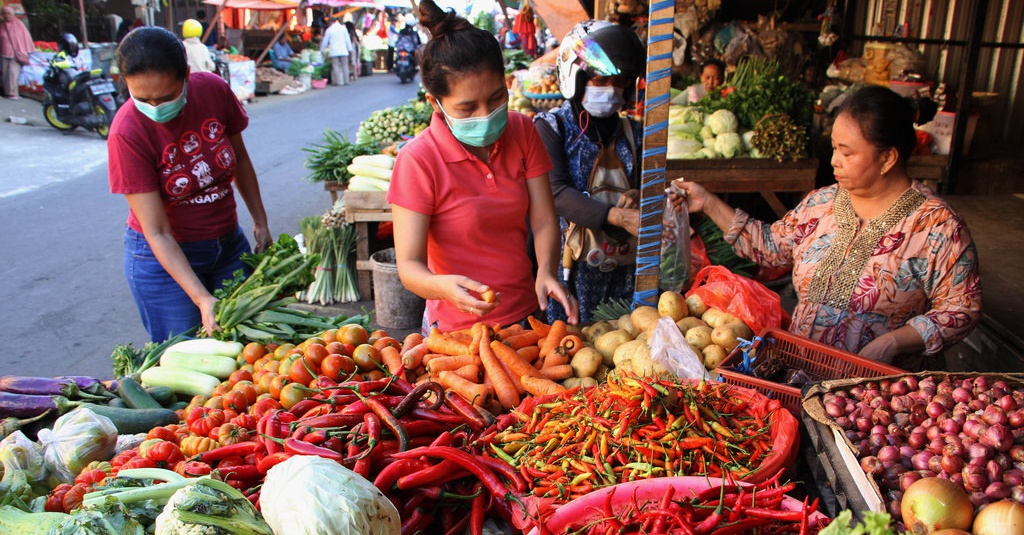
<point x="478" y="213"/>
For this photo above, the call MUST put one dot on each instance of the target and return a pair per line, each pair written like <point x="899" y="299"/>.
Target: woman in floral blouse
<point x="881" y="265"/>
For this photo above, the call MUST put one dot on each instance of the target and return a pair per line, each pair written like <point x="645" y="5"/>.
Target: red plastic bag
<point x="748" y="300"/>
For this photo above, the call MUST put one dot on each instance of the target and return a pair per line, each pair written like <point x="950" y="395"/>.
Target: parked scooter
<point x="88" y="99"/>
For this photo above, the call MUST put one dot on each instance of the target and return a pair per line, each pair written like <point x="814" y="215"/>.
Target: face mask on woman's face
<point x="478" y="131"/>
<point x="164" y="111"/>
<point x="603" y="101"/>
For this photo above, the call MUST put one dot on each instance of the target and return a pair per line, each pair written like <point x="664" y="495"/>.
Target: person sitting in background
<point x="282" y="54"/>
<point x="199" y="58"/>
<point x="712" y="75"/>
<point x="881" y="265"/>
<point x="226" y="47"/>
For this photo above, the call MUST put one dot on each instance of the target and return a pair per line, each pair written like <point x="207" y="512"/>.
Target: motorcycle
<point x="88" y="99"/>
<point x="405" y="66"/>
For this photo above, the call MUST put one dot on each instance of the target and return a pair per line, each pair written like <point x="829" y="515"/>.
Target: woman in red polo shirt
<point x="470" y="189"/>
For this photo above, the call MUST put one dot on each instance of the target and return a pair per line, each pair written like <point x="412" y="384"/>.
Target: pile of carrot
<point x="491" y="366"/>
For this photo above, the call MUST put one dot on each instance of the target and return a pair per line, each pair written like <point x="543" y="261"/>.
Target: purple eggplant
<point x="29" y="405"/>
<point x="71" y="387"/>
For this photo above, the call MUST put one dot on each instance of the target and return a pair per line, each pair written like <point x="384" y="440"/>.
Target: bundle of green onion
<point x="334" y="279"/>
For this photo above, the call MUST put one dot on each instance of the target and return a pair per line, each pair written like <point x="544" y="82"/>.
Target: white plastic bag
<point x="669" y="349"/>
<point x="78" y="438"/>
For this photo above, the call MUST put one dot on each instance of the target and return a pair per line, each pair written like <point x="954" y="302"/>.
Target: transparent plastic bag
<point x="77" y="438"/>
<point x="670" y="350"/>
<point x="674" y="270"/>
<point x="24" y="472"/>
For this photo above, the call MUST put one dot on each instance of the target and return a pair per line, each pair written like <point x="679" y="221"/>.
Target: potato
<point x="726" y="335"/>
<point x="607" y="343"/>
<point x="645" y="336"/>
<point x="592" y="332"/>
<point x="585" y="362"/>
<point x="644" y="318"/>
<point x="695" y="305"/>
<point x="585" y="382"/>
<point x="673" y="305"/>
<point x="724" y="319"/>
<point x="699" y="337"/>
<point x="629" y="351"/>
<point x="690" y="322"/>
<point x="626" y="324"/>
<point x="713" y="356"/>
<point x="711" y="316"/>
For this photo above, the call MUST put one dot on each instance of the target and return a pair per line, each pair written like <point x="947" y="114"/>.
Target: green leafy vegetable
<point x="874" y="524"/>
<point x="329" y="160"/>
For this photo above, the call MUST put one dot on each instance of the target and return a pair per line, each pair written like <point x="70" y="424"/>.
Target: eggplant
<point x="29" y="405"/>
<point x="73" y="386"/>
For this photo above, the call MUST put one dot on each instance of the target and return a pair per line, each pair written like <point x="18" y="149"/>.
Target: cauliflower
<point x="210" y="507"/>
<point x="729" y="144"/>
<point x="722" y="121"/>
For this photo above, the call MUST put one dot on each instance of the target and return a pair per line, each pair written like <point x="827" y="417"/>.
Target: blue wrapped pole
<point x="652" y="177"/>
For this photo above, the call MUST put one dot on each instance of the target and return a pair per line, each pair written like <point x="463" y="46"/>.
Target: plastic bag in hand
<point x="78" y="438"/>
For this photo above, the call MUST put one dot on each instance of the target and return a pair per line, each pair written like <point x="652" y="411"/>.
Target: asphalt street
<point x="64" y="303"/>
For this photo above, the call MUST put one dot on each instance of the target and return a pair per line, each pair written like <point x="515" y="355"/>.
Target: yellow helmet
<point x="191" y="28"/>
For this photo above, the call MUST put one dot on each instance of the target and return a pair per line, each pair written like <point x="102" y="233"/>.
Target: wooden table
<point x="748" y="175"/>
<point x="361" y="209"/>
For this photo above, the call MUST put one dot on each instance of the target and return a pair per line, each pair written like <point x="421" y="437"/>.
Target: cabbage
<point x="682" y="148"/>
<point x="722" y="121"/>
<point x="709" y="153"/>
<point x="706" y="133"/>
<point x="747" y="137"/>
<point x="309" y="495"/>
<point x="729" y="144"/>
<point x="709" y="142"/>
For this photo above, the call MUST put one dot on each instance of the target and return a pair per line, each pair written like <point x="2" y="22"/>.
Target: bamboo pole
<point x="652" y="177"/>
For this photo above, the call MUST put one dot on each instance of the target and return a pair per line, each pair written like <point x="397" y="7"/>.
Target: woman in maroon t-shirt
<point x="175" y="148"/>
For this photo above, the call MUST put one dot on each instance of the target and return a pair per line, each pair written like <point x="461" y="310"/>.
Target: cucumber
<point x="133" y="421"/>
<point x="208" y="346"/>
<point x="181" y="380"/>
<point x="162" y="394"/>
<point x="117" y="402"/>
<point x="133" y="395"/>
<point x="215" y="365"/>
<point x="178" y="405"/>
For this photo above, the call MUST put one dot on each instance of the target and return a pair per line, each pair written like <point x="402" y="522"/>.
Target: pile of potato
<point x="623" y="343"/>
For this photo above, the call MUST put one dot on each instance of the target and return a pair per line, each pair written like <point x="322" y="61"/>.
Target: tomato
<point x="221" y="388"/>
<point x="262" y="406"/>
<point x="337" y="367"/>
<point x="163" y="433"/>
<point x="236" y="400"/>
<point x="73" y="497"/>
<point x="91" y="477"/>
<point x="138" y="462"/>
<point x="330" y="335"/>
<point x="193" y="468"/>
<point x="253" y="351"/>
<point x="293" y="393"/>
<point x="352" y="334"/>
<point x="316" y="353"/>
<point x="366" y="357"/>
<point x="202" y="419"/>
<point x="283" y="350"/>
<point x="378" y="334"/>
<point x="194" y="445"/>
<point x="248" y="421"/>
<point x="336" y="348"/>
<point x="385" y="341"/>
<point x="55" y="499"/>
<point x="277" y="384"/>
<point x="301" y="371"/>
<point x="162" y="453"/>
<point x="249" y="389"/>
<point x="263" y="385"/>
<point x="239" y="375"/>
<point x="123" y="457"/>
<point x="230" y="433"/>
<point x="313" y="340"/>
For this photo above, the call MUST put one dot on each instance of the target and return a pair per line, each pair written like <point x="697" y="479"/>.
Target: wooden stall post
<point x="652" y="178"/>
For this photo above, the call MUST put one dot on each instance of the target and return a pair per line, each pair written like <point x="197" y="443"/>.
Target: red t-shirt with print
<point x="189" y="159"/>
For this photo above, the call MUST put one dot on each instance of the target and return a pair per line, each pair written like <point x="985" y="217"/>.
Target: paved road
<point x="64" y="304"/>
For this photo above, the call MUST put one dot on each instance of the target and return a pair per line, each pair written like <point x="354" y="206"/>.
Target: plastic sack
<point x="77" y="438"/>
<point x="669" y="348"/>
<point x="23" y="467"/>
<point x="747" y="299"/>
<point x="674" y="270"/>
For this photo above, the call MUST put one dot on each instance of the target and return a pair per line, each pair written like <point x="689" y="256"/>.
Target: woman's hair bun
<point x="440" y="22"/>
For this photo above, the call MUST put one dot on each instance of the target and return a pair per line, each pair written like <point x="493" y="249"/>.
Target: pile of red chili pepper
<point x="726" y="509"/>
<point x="633" y="428"/>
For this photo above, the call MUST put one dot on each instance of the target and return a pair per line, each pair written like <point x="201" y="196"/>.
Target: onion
<point x="1017" y="494"/>
<point x="864" y="424"/>
<point x="950" y="426"/>
<point x="980" y="451"/>
<point x="1004" y="517"/>
<point x="876" y="442"/>
<point x="1013" y="477"/>
<point x="907" y="479"/>
<point x="911" y="382"/>
<point x="980" y="383"/>
<point x="951" y="463"/>
<point x="934" y="409"/>
<point x="945" y="388"/>
<point x="899" y="388"/>
<point x="997" y="490"/>
<point x="878" y="402"/>
<point x="933" y="503"/>
<point x="872" y="465"/>
<point x="1017" y="453"/>
<point x="994" y="415"/>
<point x="949" y="532"/>
<point x="934" y="432"/>
<point x="999" y="437"/>
<point x="844" y="423"/>
<point x="955" y="449"/>
<point x="974" y="478"/>
<point x="973" y="426"/>
<point x="994" y="471"/>
<point x="917" y="440"/>
<point x="976" y="405"/>
<point x="979" y="499"/>
<point x="1007" y="403"/>
<point x="834" y="410"/>
<point x="857" y="392"/>
<point x="1015" y="419"/>
<point x="962" y="395"/>
<point x="936" y="446"/>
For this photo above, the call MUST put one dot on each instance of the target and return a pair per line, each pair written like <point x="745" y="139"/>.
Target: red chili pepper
<point x="505" y="469"/>
<point x="223" y="452"/>
<point x="316" y="436"/>
<point x="443" y="439"/>
<point x="466" y="460"/>
<point x="245" y="472"/>
<point x="477" y="510"/>
<point x="371" y="427"/>
<point x="388" y="476"/>
<point x="305" y="448"/>
<point x="459" y="528"/>
<point x="462" y="407"/>
<point x="269" y="461"/>
<point x="421" y="413"/>
<point x="390" y="421"/>
<point x="424" y="428"/>
<point x="432" y="475"/>
<point x="418" y="520"/>
<point x="332" y="420"/>
<point x="303" y="406"/>
<point x="334" y="443"/>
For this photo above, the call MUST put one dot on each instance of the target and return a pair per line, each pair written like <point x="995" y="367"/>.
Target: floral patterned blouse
<point x="916" y="263"/>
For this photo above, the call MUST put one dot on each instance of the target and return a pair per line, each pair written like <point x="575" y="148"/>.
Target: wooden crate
<point x="361" y="209"/>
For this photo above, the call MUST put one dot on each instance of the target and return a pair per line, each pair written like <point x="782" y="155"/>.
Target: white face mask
<point x="603" y="101"/>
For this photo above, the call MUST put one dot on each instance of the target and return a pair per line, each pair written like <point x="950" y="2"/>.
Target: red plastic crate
<point x="821" y="361"/>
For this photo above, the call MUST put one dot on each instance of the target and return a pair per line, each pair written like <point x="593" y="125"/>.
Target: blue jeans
<point x="164" y="307"/>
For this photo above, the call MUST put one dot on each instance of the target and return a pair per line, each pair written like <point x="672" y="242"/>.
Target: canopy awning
<point x="265" y="5"/>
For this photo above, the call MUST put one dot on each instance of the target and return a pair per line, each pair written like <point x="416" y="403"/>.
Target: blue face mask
<point x="165" y="111"/>
<point x="478" y="131"/>
<point x="603" y="101"/>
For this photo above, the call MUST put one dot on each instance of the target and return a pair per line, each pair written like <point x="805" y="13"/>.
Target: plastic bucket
<point x="396" y="307"/>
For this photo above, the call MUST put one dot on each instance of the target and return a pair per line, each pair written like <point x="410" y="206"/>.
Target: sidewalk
<point x="23" y="111"/>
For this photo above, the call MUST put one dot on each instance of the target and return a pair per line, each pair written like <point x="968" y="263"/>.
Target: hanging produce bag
<point x="748" y="300"/>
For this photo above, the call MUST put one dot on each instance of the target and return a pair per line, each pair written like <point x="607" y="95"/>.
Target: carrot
<point x="446" y="345"/>
<point x="392" y="360"/>
<point x="538" y="325"/>
<point x="571" y="343"/>
<point x="515" y="328"/>
<point x="478" y="331"/>
<point x="517" y="365"/>
<point x="523" y="339"/>
<point x="450" y="363"/>
<point x="554" y="336"/>
<point x="530" y="353"/>
<point x="539" y="386"/>
<point x="411" y="340"/>
<point x="555" y="358"/>
<point x="431" y="356"/>
<point x="557" y="373"/>
<point x="469" y="371"/>
<point x="413" y="358"/>
<point x="504" y="389"/>
<point x="475" y="392"/>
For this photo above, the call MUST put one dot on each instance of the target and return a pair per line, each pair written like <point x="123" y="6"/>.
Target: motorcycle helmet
<point x="68" y="44"/>
<point x="191" y="28"/>
<point x="597" y="48"/>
